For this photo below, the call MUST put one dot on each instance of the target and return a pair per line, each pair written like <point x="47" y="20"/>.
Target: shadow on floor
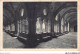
<point x="31" y="43"/>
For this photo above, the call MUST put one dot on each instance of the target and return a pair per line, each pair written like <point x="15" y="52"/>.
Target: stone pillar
<point x="13" y="27"/>
<point x="16" y="16"/>
<point x="41" y="25"/>
<point x="65" y="27"/>
<point x="57" y="27"/>
<point x="18" y="27"/>
<point x="21" y="25"/>
<point x="10" y="27"/>
<point x="38" y="26"/>
<point x="32" y="26"/>
<point x="46" y="26"/>
<point x="59" y="23"/>
<point x="26" y="26"/>
<point x="49" y="26"/>
<point x="52" y="23"/>
<point x="62" y="25"/>
<point x="68" y="26"/>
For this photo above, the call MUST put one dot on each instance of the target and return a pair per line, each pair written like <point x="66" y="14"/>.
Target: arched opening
<point x="38" y="26"/>
<point x="66" y="19"/>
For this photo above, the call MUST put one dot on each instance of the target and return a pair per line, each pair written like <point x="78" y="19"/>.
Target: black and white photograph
<point x="34" y="25"/>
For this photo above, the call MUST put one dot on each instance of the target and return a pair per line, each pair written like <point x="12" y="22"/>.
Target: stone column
<point x="52" y="23"/>
<point x="27" y="26"/>
<point x="46" y="26"/>
<point x="68" y="26"/>
<point x="52" y="26"/>
<point x="62" y="25"/>
<point x="20" y="26"/>
<point x="59" y="23"/>
<point x="10" y="27"/>
<point x="49" y="26"/>
<point x="32" y="25"/>
<point x="41" y="25"/>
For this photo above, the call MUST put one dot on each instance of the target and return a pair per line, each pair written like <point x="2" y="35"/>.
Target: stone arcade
<point x="36" y="22"/>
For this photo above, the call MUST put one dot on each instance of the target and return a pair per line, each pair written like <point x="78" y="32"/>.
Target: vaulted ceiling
<point x="68" y="10"/>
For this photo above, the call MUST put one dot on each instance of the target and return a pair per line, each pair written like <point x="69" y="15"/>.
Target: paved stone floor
<point x="65" y="41"/>
<point x="11" y="42"/>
